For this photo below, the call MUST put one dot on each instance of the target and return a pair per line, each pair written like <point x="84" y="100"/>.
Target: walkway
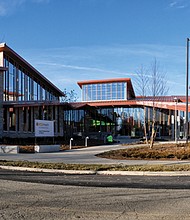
<point x="83" y="156"/>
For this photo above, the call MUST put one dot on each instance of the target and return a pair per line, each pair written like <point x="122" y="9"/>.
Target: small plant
<point x="26" y="149"/>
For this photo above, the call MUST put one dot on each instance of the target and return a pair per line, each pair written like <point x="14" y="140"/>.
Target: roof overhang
<point x="11" y="53"/>
<point x="86" y="82"/>
<point x="3" y="68"/>
<point x="127" y="80"/>
<point x="161" y="103"/>
<point x="64" y="105"/>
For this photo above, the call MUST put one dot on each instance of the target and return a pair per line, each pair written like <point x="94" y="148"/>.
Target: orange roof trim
<point x="127" y="80"/>
<point x="86" y="82"/>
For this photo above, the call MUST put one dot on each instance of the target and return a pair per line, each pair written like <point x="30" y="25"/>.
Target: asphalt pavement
<point x="88" y="156"/>
<point x="82" y="156"/>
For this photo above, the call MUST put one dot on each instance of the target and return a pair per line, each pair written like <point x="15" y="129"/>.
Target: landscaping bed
<point x="158" y="152"/>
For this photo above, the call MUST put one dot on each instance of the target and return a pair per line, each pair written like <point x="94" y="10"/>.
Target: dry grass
<point x="30" y="148"/>
<point x="158" y="152"/>
<point x="26" y="149"/>
<point x="96" y="167"/>
<point x="66" y="147"/>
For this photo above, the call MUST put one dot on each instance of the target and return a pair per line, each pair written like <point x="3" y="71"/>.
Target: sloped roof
<point x="7" y="50"/>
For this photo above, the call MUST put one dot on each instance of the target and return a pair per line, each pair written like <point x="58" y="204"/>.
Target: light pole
<point x="187" y="94"/>
<point x="176" y="101"/>
<point x="86" y="141"/>
<point x="70" y="143"/>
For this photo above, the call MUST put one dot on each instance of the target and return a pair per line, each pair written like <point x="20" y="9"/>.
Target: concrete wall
<point x="47" y="148"/>
<point x="9" y="149"/>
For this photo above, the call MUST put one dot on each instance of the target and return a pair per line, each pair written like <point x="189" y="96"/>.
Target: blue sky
<point x="74" y="40"/>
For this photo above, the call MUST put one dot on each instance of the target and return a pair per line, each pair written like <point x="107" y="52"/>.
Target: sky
<point x="75" y="40"/>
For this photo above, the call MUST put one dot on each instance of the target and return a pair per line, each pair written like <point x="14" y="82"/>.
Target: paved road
<point x="119" y="181"/>
<point x="51" y="196"/>
<point x="27" y="195"/>
<point x="83" y="156"/>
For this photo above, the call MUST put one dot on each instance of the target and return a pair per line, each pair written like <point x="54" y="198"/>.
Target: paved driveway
<point x="82" y="156"/>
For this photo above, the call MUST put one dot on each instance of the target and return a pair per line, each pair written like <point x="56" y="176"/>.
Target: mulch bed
<point x="158" y="152"/>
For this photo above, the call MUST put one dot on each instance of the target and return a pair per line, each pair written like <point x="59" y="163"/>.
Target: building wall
<point x="19" y="121"/>
<point x="20" y="92"/>
<point x="1" y="101"/>
<point x="1" y="59"/>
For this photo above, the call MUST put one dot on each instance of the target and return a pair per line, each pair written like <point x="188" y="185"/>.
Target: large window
<point x="104" y="91"/>
<point x="20" y="85"/>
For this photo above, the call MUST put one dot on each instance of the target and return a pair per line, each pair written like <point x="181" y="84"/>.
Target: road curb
<point x="48" y="170"/>
<point x="93" y="172"/>
<point x="145" y="173"/>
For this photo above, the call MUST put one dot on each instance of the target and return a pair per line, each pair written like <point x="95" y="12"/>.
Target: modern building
<point x="115" y="99"/>
<point x="107" y="106"/>
<point x="26" y="95"/>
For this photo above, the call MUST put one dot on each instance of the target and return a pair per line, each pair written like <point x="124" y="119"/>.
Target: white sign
<point x="44" y="128"/>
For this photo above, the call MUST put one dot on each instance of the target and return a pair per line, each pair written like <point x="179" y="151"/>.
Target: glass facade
<point x="20" y="85"/>
<point x="26" y="95"/>
<point x="118" y="121"/>
<point x="104" y="91"/>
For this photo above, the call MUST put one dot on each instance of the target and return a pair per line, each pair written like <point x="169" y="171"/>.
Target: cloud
<point x="179" y="4"/>
<point x="73" y="64"/>
<point x="3" y="10"/>
<point x="8" y="7"/>
<point x="172" y="4"/>
<point x="91" y="69"/>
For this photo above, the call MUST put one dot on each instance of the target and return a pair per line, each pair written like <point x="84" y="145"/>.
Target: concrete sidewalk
<point x="94" y="172"/>
<point x="84" y="156"/>
<point x="87" y="156"/>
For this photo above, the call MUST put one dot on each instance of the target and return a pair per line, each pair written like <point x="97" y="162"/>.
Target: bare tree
<point x="70" y="96"/>
<point x="157" y="87"/>
<point x="151" y="82"/>
<point x="141" y="82"/>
